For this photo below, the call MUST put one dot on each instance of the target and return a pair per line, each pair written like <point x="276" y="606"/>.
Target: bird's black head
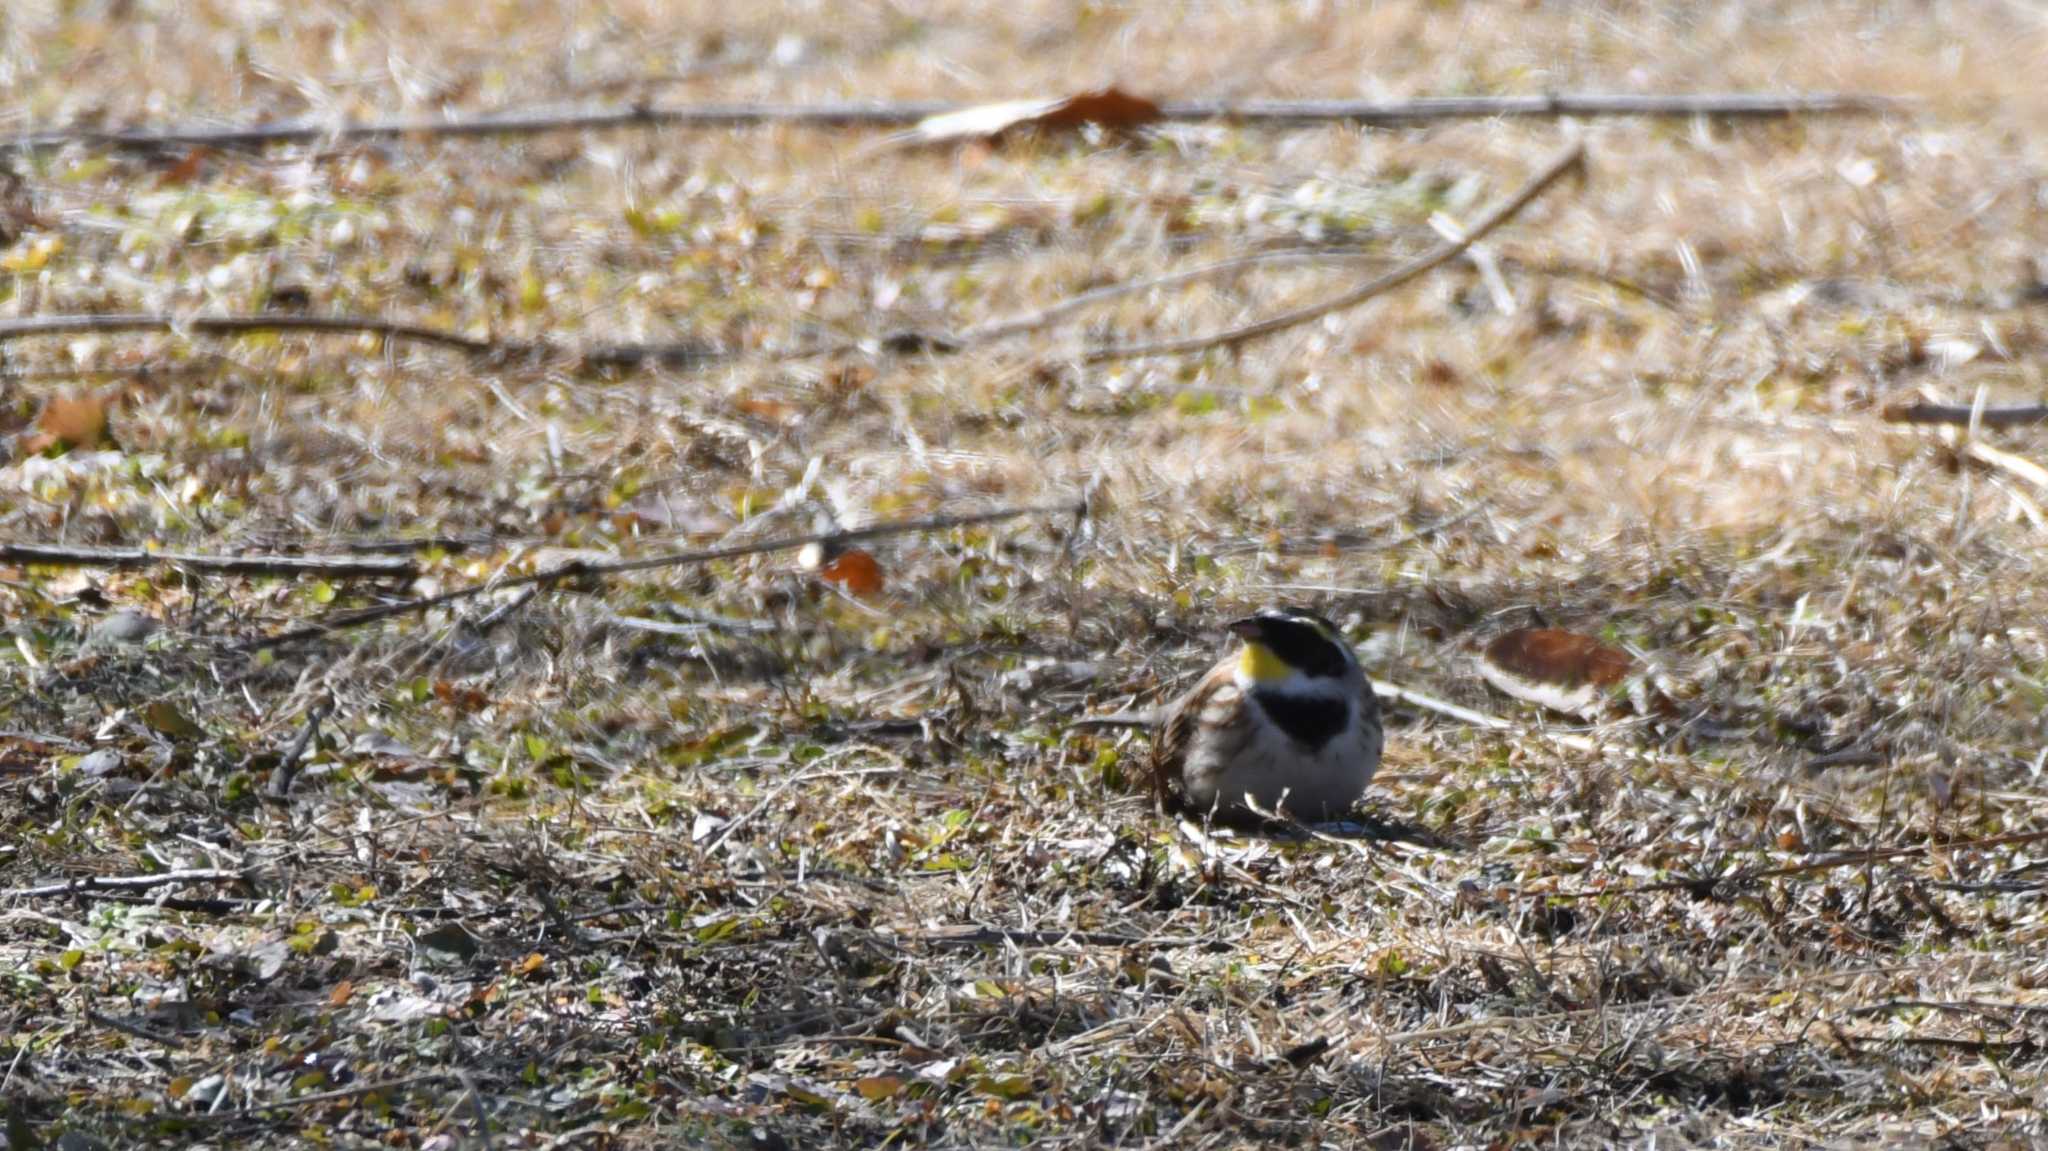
<point x="1280" y="642"/>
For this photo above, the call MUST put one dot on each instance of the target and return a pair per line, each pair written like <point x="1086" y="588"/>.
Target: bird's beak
<point x="1249" y="629"/>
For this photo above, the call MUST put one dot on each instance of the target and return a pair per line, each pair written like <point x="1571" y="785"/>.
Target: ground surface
<point x="835" y="874"/>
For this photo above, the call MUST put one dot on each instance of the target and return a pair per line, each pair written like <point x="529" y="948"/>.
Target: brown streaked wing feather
<point x="1170" y="750"/>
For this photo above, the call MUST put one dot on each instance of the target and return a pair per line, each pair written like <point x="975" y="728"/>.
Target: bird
<point x="1288" y="721"/>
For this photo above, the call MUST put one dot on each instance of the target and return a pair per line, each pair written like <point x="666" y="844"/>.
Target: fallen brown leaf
<point x="185" y="170"/>
<point x="1557" y="669"/>
<point x="855" y="570"/>
<point x="1110" y="107"/>
<point x="75" y="420"/>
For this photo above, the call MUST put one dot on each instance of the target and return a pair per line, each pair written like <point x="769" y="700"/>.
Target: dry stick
<point x="290" y="763"/>
<point x="693" y="355"/>
<point x="125" y="1027"/>
<point x="334" y="1096"/>
<point x="89" y="884"/>
<point x="972" y="935"/>
<point x="1958" y="415"/>
<point x="577" y="569"/>
<point x="2018" y="465"/>
<point x="776" y="793"/>
<point x="1957" y="1007"/>
<point x="476" y="1106"/>
<point x="1824" y="863"/>
<point x="241" y="326"/>
<point x="1573" y="156"/>
<point x="1395" y="693"/>
<point x="873" y="115"/>
<point x="675" y="355"/>
<point x="50" y="555"/>
<point x="1017" y="325"/>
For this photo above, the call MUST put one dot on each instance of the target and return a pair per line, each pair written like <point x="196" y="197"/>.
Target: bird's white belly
<point x="1279" y="774"/>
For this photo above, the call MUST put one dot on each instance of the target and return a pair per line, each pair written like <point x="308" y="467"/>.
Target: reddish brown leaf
<point x="460" y="697"/>
<point x="1110" y="107"/>
<point x="185" y="170"/>
<point x="770" y="409"/>
<point x="854" y="570"/>
<point x="75" y="420"/>
<point x="1558" y="669"/>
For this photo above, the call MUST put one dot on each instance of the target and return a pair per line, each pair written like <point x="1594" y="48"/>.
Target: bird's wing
<point x="1370" y="728"/>
<point x="1177" y="734"/>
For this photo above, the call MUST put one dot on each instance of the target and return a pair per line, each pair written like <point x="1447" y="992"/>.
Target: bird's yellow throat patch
<point x="1260" y="665"/>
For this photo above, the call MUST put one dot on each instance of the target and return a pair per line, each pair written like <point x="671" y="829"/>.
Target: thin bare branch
<point x="1725" y="105"/>
<point x="1017" y="325"/>
<point x="972" y="935"/>
<point x="128" y="1027"/>
<point x="70" y="325"/>
<point x="88" y="884"/>
<point x="2003" y="460"/>
<point x="582" y="570"/>
<point x="1708" y="883"/>
<point x="290" y="763"/>
<point x="679" y="355"/>
<point x="1572" y="157"/>
<point x="691" y="355"/>
<point x="52" y="555"/>
<point x="316" y="1097"/>
<point x="1958" y="415"/>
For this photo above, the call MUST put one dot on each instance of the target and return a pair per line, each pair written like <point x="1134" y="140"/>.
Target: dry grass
<point x="613" y="888"/>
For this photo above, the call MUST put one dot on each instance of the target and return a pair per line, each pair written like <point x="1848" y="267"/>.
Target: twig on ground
<point x="1395" y="693"/>
<point x="53" y="555"/>
<point x="504" y="611"/>
<point x="1954" y="1043"/>
<point x="681" y="355"/>
<point x="1958" y="415"/>
<point x="1952" y="1007"/>
<point x="69" y="325"/>
<point x="694" y="624"/>
<point x="136" y="1029"/>
<point x="1846" y="757"/>
<point x="424" y="543"/>
<point x="727" y="831"/>
<point x="1571" y="158"/>
<point x="1706" y="884"/>
<point x="574" y="1136"/>
<point x="1148" y="718"/>
<point x="578" y="569"/>
<point x="1173" y="1134"/>
<point x="1001" y="329"/>
<point x="552" y="908"/>
<point x="2003" y="460"/>
<point x="288" y="764"/>
<point x="37" y="737"/>
<point x="978" y="936"/>
<point x="89" y="884"/>
<point x="476" y="1105"/>
<point x="872" y="115"/>
<point x="691" y="355"/>
<point x="335" y="1096"/>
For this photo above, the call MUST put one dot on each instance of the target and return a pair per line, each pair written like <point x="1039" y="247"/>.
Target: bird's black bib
<point x="1311" y="720"/>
